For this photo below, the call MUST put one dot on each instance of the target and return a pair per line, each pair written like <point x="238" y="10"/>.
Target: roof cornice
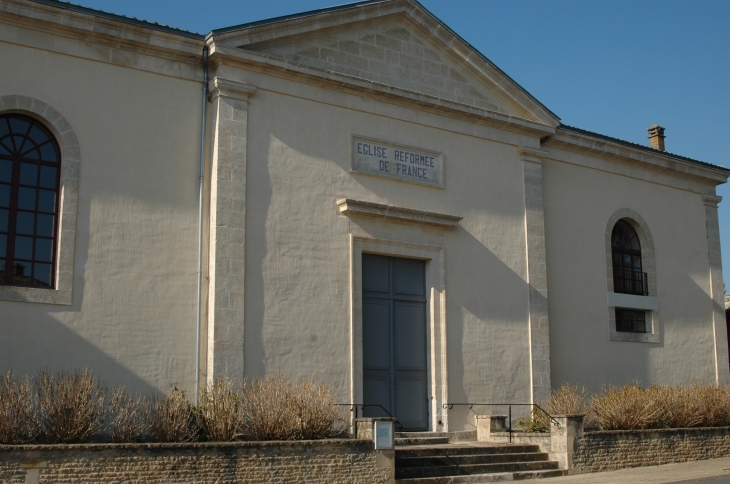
<point x="121" y="18"/>
<point x="57" y="18"/>
<point x="464" y="54"/>
<point x="574" y="139"/>
<point x="346" y="83"/>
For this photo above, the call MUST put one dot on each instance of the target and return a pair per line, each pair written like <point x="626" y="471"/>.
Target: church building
<point x="353" y="194"/>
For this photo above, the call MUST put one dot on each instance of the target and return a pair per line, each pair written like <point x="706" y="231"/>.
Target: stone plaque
<point x="397" y="162"/>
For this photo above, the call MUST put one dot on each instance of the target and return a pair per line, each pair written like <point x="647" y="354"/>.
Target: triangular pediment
<point x="395" y="43"/>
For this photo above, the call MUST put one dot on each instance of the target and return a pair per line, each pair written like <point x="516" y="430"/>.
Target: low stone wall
<point x="611" y="450"/>
<point x="325" y="461"/>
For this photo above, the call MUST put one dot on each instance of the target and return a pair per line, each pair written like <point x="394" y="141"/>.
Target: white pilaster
<point x="536" y="274"/>
<point x="717" y="288"/>
<point x="227" y="229"/>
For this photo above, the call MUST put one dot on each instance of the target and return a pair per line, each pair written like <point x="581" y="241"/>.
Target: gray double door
<point x="394" y="339"/>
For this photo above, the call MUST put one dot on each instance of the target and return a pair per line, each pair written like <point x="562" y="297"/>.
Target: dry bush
<point x="173" y="418"/>
<point x="71" y="405"/>
<point x="714" y="405"/>
<point x="631" y="407"/>
<point x="129" y="417"/>
<point x="538" y="422"/>
<point x="679" y="406"/>
<point x="626" y="408"/>
<point x="693" y="406"/>
<point x="275" y="409"/>
<point x="17" y="410"/>
<point x="316" y="412"/>
<point x="266" y="408"/>
<point x="566" y="400"/>
<point x="219" y="412"/>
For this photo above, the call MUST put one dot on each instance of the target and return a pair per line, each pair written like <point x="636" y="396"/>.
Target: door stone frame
<point x="436" y="349"/>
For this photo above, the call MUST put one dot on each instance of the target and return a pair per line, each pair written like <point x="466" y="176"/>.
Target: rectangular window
<point x="630" y="321"/>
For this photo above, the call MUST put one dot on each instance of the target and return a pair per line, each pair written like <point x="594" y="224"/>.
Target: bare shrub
<point x="316" y="412"/>
<point x="219" y="412"/>
<point x="626" y="408"/>
<point x="266" y="408"/>
<point x="566" y="400"/>
<point x="716" y="402"/>
<point x="538" y="422"/>
<point x="696" y="405"/>
<point x="129" y="417"/>
<point x="173" y="418"/>
<point x="679" y="406"/>
<point x="275" y="409"/>
<point x="17" y="410"/>
<point x="71" y="405"/>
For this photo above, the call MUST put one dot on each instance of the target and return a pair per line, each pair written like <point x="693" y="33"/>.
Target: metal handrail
<point x="449" y="406"/>
<point x="363" y="406"/>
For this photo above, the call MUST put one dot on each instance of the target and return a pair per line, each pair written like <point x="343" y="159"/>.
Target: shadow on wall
<point x="257" y="213"/>
<point x="489" y="358"/>
<point x="44" y="342"/>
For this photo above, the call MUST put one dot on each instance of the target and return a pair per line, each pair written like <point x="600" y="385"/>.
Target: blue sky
<point x="614" y="67"/>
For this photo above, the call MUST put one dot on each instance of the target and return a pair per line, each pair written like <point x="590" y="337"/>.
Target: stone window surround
<point x="649" y="303"/>
<point x="435" y="323"/>
<point x="62" y="294"/>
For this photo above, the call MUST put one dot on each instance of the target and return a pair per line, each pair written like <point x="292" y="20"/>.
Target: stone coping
<point x="588" y="433"/>
<point x="189" y="445"/>
<point x="521" y="434"/>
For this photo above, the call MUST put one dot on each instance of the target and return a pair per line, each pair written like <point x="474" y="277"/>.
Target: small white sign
<point x="383" y="434"/>
<point x="398" y="162"/>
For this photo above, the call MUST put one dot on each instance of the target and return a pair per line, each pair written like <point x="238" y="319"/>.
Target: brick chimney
<point x="656" y="137"/>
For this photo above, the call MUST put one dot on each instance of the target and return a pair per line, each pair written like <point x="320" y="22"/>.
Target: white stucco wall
<point x="297" y="247"/>
<point x="132" y="318"/>
<point x="578" y="204"/>
<point x="133" y="314"/>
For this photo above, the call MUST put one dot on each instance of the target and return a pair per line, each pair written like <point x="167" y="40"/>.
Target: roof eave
<point x="580" y="139"/>
<point x="121" y="18"/>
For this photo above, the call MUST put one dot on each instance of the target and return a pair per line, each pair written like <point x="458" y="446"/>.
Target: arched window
<point x="30" y="171"/>
<point x="628" y="277"/>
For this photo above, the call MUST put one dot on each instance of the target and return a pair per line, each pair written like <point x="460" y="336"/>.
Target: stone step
<point x="472" y="469"/>
<point x="420" y="441"/>
<point x="410" y="435"/>
<point x="481" y="478"/>
<point x="466" y="449"/>
<point x="459" y="460"/>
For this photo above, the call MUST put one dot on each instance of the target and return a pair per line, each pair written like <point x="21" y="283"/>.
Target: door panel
<point x="394" y="339"/>
<point x="409" y="405"/>
<point x="375" y="273"/>
<point x="409" y="277"/>
<point x="376" y="334"/>
<point x="410" y="335"/>
<point x="377" y="391"/>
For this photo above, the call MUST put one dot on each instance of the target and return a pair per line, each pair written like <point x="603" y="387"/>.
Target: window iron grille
<point x="630" y="321"/>
<point x="630" y="281"/>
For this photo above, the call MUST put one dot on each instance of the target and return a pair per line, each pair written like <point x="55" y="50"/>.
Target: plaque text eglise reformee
<point x="398" y="162"/>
